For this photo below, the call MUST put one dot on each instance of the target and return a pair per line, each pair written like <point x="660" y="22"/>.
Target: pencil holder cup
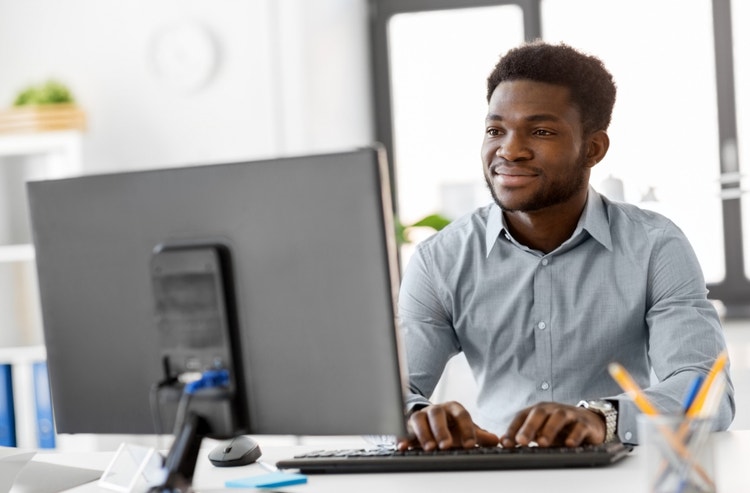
<point x="679" y="454"/>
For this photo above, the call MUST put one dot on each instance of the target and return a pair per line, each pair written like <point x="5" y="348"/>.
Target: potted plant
<point x="432" y="221"/>
<point x="43" y="107"/>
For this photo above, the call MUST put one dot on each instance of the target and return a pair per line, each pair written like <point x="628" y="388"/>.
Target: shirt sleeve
<point x="428" y="335"/>
<point x="685" y="334"/>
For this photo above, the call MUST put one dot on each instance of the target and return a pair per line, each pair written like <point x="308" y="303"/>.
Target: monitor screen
<point x="314" y="277"/>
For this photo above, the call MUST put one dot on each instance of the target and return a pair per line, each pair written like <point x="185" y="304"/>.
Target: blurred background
<point x="163" y="83"/>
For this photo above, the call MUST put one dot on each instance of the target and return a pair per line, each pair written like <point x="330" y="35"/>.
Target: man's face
<point x="533" y="151"/>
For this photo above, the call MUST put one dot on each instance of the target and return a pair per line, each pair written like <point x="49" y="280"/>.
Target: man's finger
<point x="486" y="438"/>
<point x="535" y="420"/>
<point x="577" y="434"/>
<point x="508" y="440"/>
<point x="421" y="426"/>
<point x="440" y="426"/>
<point x="463" y="429"/>
<point x="406" y="443"/>
<point x="556" y="421"/>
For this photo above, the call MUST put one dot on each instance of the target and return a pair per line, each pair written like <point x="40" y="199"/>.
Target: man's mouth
<point x="511" y="176"/>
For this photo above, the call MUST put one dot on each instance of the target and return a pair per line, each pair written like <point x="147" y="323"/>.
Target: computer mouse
<point x="239" y="451"/>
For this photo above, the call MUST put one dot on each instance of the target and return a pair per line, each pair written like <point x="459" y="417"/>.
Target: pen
<point x="700" y="399"/>
<point x="692" y="393"/>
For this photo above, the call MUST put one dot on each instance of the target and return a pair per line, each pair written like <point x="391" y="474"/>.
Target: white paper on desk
<point x="44" y="477"/>
<point x="12" y="460"/>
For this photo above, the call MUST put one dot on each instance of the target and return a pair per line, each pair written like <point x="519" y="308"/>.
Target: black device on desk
<point x="474" y="459"/>
<point x="280" y="275"/>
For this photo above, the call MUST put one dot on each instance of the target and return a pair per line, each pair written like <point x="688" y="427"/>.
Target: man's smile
<point x="511" y="176"/>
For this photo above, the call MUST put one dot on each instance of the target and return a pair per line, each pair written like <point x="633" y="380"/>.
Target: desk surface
<point x="732" y="454"/>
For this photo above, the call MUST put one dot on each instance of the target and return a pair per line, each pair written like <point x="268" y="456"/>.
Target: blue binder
<point x="45" y="423"/>
<point x="7" y="412"/>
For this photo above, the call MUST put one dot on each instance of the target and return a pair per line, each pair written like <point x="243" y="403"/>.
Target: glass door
<point x="439" y="63"/>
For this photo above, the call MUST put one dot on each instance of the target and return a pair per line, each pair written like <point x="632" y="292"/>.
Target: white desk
<point x="732" y="463"/>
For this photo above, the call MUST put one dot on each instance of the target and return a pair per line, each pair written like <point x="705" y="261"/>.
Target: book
<point x="7" y="411"/>
<point x="45" y="423"/>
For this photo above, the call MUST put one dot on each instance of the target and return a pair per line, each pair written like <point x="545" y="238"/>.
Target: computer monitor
<point x="310" y="251"/>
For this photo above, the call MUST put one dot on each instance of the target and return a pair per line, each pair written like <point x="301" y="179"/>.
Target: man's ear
<point x="598" y="145"/>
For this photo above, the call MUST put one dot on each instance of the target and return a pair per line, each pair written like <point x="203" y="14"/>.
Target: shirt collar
<point x="494" y="227"/>
<point x="594" y="220"/>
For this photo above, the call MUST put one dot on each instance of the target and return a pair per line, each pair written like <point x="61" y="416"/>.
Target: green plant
<point x="434" y="221"/>
<point x="50" y="92"/>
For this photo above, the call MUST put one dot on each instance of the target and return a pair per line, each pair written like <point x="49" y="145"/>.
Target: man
<point x="544" y="288"/>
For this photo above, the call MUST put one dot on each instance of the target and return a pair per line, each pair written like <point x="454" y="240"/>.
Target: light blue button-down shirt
<point x="626" y="287"/>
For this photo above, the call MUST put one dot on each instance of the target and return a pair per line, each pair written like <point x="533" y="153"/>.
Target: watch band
<point x="608" y="411"/>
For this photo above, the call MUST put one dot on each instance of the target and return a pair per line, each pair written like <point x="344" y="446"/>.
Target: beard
<point x="550" y="193"/>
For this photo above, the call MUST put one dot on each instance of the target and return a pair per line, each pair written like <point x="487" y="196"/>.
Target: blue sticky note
<point x="271" y="480"/>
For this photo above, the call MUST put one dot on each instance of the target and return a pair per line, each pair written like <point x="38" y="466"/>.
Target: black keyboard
<point x="478" y="458"/>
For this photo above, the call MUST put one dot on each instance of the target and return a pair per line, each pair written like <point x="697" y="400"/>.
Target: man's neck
<point x="546" y="229"/>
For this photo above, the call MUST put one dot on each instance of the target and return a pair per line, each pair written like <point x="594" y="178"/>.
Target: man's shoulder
<point x="469" y="229"/>
<point x="627" y="216"/>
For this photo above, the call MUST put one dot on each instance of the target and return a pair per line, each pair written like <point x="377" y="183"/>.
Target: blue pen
<point x="695" y="386"/>
<point x="692" y="392"/>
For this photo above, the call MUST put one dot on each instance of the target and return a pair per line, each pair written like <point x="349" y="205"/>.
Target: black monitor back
<point x="314" y="267"/>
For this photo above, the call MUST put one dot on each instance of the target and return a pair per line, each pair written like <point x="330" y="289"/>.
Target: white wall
<point x="292" y="76"/>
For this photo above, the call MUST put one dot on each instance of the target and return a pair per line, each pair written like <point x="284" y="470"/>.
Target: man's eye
<point x="542" y="132"/>
<point x="493" y="131"/>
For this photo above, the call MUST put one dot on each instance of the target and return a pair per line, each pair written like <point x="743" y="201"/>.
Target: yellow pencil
<point x="623" y="378"/>
<point x="697" y="406"/>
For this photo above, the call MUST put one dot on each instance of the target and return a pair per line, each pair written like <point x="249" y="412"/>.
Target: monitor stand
<point x="193" y="286"/>
<point x="183" y="455"/>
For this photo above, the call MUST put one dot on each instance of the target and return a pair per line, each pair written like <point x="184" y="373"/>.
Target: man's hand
<point x="552" y="423"/>
<point x="445" y="426"/>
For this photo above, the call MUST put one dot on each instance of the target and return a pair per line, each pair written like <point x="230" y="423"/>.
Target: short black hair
<point x="592" y="88"/>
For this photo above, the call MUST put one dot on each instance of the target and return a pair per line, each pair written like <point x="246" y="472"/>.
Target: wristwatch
<point x="606" y="410"/>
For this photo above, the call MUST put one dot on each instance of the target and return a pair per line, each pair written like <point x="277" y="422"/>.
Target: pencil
<point x="623" y="378"/>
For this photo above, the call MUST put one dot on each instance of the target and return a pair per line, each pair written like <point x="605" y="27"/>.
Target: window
<point x="664" y="132"/>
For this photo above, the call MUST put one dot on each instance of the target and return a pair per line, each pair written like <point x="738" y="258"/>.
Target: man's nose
<point x="513" y="148"/>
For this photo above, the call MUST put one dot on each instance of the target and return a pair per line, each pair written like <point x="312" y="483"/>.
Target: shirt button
<point x="545" y="261"/>
<point x="545" y="385"/>
<point x="541" y="325"/>
<point x="628" y="436"/>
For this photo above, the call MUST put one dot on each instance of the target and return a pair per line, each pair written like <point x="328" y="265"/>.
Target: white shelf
<point x="40" y="143"/>
<point x="16" y="253"/>
<point x="22" y="355"/>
